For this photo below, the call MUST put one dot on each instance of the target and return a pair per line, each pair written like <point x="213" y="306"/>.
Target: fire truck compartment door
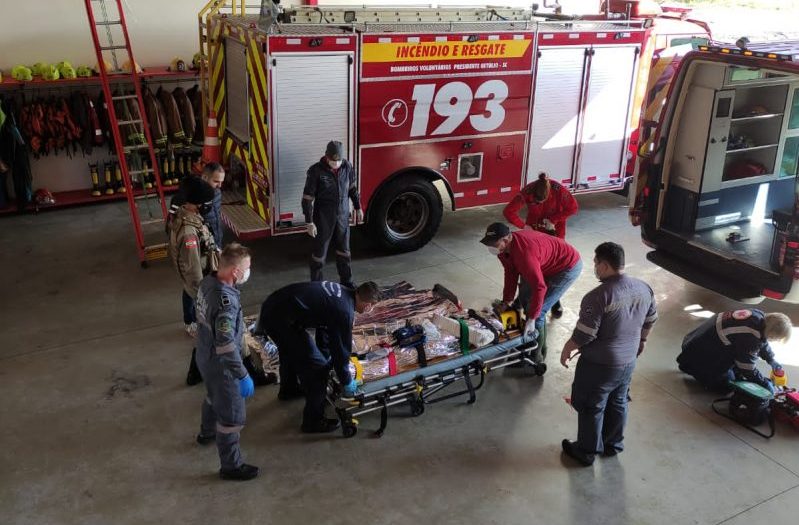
<point x="556" y="112"/>
<point x="312" y="105"/>
<point x="605" y="131"/>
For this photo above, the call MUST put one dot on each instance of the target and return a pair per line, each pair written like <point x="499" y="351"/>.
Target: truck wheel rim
<point x="407" y="215"/>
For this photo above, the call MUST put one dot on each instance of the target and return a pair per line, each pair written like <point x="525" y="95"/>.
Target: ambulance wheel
<point x="540" y="369"/>
<point x="417" y="408"/>
<point x="405" y="214"/>
<point x="349" y="430"/>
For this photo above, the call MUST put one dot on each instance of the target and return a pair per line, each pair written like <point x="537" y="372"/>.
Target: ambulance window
<point x="793" y="122"/>
<point x="236" y="89"/>
<point x="470" y="167"/>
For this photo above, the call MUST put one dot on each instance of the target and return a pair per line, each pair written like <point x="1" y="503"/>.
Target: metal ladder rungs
<point x="139" y="172"/>
<point x="123" y="97"/>
<point x="152" y="221"/>
<point x="109" y="23"/>
<point x="137" y="147"/>
<point x="111" y="48"/>
<point x="124" y="122"/>
<point x="146" y="196"/>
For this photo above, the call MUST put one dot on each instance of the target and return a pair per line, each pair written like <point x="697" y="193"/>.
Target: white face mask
<point x="335" y="164"/>
<point x="493" y="250"/>
<point x="245" y="277"/>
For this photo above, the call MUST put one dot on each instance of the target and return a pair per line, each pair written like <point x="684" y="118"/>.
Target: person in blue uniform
<point x="726" y="347"/>
<point x="615" y="319"/>
<point x="329" y="308"/>
<point x="220" y="336"/>
<point x="330" y="185"/>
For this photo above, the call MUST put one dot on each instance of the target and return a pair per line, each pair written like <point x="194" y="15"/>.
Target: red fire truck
<point x="717" y="186"/>
<point x="476" y="101"/>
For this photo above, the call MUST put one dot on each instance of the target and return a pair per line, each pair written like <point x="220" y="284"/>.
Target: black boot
<point x="322" y="426"/>
<point x="243" y="472"/>
<point x="193" y="377"/>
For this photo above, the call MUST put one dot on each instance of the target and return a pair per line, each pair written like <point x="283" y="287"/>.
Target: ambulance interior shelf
<point x="734" y="161"/>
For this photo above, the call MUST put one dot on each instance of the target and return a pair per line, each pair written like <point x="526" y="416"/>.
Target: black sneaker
<point x="557" y="311"/>
<point x="243" y="472"/>
<point x="609" y="451"/>
<point x="571" y="450"/>
<point x="206" y="439"/>
<point x="322" y="426"/>
<point x="287" y="394"/>
<point x="193" y="377"/>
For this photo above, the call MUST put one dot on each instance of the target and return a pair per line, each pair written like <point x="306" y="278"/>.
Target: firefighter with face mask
<point x="329" y="187"/>
<point x="220" y="340"/>
<point x="192" y="247"/>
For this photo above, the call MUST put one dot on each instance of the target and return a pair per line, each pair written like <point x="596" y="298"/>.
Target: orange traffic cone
<point x="211" y="152"/>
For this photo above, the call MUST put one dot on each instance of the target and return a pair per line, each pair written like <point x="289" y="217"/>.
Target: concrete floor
<point x="98" y="427"/>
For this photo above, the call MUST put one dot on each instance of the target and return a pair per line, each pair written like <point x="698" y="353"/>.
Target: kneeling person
<point x="220" y="337"/>
<point x="330" y="309"/>
<point x="727" y="346"/>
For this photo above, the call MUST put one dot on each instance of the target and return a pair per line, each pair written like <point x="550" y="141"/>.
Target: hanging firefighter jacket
<point x="155" y="117"/>
<point x="173" y="120"/>
<point x="186" y="114"/>
<point x="196" y="98"/>
<point x="14" y="153"/>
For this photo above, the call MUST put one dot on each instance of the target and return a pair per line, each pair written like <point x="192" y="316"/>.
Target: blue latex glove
<point x="351" y="388"/>
<point x="246" y="386"/>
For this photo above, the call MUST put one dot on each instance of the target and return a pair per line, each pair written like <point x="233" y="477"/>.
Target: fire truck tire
<point x="405" y="214"/>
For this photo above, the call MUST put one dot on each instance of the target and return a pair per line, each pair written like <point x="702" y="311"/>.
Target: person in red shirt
<point x="549" y="204"/>
<point x="546" y="265"/>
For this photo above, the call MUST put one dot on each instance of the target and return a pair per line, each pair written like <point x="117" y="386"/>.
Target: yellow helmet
<point x="127" y="69"/>
<point x="108" y="67"/>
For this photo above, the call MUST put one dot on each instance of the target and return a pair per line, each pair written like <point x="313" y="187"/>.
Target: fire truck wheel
<point x="405" y="214"/>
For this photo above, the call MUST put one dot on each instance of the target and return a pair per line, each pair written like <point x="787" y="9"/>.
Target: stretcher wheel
<point x="417" y="408"/>
<point x="349" y="430"/>
<point x="540" y="369"/>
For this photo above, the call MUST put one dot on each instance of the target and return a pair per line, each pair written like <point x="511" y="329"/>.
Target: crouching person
<point x="305" y="363"/>
<point x="727" y="346"/>
<point x="220" y="338"/>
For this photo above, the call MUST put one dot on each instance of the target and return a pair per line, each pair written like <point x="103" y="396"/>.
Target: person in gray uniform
<point x="220" y="336"/>
<point x="615" y="319"/>
<point x="329" y="186"/>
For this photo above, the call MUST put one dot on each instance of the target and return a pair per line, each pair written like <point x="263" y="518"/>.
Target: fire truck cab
<point x="717" y="186"/>
<point x="471" y="103"/>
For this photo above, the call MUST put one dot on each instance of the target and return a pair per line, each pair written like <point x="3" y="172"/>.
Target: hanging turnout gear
<point x="196" y="98"/>
<point x="186" y="115"/>
<point x="95" y="179"/>
<point x="173" y="120"/>
<point x="107" y="176"/>
<point x="155" y="116"/>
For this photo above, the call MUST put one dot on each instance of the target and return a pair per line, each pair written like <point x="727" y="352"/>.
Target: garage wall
<point x="159" y="30"/>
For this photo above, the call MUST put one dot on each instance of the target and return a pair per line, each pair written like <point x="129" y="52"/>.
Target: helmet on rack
<point x="39" y="68"/>
<point x="107" y="64"/>
<point x="127" y="69"/>
<point x="197" y="60"/>
<point x="84" y="71"/>
<point x="177" y="65"/>
<point x="42" y="197"/>
<point x="22" y="73"/>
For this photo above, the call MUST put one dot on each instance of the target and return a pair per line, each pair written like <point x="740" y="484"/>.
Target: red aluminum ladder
<point x="150" y="244"/>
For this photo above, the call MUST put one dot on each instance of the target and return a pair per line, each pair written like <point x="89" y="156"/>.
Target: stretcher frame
<point x="430" y="384"/>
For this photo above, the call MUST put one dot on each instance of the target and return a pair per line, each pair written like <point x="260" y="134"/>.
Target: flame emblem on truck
<point x="395" y="112"/>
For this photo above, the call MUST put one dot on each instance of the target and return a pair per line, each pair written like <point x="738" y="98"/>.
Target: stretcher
<point x="445" y="379"/>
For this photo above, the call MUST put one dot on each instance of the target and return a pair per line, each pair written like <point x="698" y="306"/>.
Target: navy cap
<point x="335" y="150"/>
<point x="494" y="233"/>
